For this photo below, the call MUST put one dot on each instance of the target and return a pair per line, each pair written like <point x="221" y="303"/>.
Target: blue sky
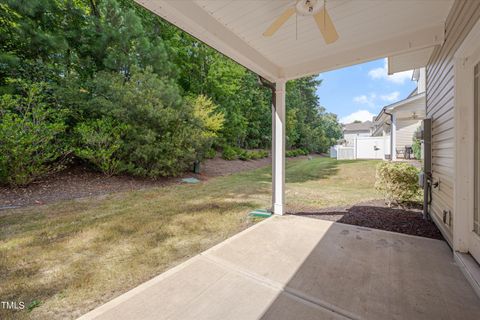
<point x="359" y="92"/>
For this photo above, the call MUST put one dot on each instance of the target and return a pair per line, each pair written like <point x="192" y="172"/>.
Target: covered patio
<point x="301" y="268"/>
<point x="290" y="267"/>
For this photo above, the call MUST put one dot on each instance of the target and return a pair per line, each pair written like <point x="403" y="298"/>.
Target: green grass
<point x="69" y="257"/>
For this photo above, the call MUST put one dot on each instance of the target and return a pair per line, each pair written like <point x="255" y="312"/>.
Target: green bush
<point x="296" y="153"/>
<point x="229" y="153"/>
<point x="245" y="155"/>
<point x="398" y="182"/>
<point x="255" y="155"/>
<point x="264" y="153"/>
<point x="210" y="153"/>
<point x="232" y="153"/>
<point x="417" y="148"/>
<point x="98" y="142"/>
<point x="31" y="136"/>
<point x="165" y="133"/>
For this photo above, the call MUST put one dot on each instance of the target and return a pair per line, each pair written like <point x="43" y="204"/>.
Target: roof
<point x="404" y="109"/>
<point x="402" y="103"/>
<point x="413" y="93"/>
<point x="358" y="126"/>
<point x="297" y="49"/>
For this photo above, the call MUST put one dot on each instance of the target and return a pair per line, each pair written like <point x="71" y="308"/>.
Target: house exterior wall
<point x="405" y="132"/>
<point x="440" y="108"/>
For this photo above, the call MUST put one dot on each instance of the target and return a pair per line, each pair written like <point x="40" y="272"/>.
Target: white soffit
<point x="408" y="61"/>
<point x="368" y="29"/>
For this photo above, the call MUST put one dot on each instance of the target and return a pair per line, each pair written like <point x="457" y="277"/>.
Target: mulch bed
<point x="219" y="167"/>
<point x="377" y="215"/>
<point x="79" y="181"/>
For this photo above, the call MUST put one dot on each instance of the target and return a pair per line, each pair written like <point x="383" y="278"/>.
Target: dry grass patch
<point x="72" y="256"/>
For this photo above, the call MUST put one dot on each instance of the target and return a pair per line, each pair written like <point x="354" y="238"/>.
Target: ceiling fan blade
<point x="325" y="24"/>
<point x="279" y="22"/>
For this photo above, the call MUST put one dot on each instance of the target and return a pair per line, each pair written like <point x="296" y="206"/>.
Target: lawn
<point x="69" y="257"/>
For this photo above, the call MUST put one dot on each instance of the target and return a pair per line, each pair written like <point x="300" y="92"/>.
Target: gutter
<point x="267" y="84"/>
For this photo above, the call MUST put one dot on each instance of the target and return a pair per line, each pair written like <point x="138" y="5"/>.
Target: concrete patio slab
<point x="299" y="268"/>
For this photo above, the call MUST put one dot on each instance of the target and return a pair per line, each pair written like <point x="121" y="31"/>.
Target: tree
<point x="139" y="95"/>
<point x="209" y="123"/>
<point x="31" y="136"/>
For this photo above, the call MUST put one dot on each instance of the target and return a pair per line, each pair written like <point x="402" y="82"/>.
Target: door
<point x="475" y="233"/>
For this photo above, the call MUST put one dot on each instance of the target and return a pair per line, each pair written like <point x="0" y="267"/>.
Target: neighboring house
<point x="403" y="118"/>
<point x="352" y="131"/>
<point x="373" y="140"/>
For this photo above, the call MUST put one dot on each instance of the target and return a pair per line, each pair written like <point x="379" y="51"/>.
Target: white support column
<point x="393" y="138"/>
<point x="278" y="148"/>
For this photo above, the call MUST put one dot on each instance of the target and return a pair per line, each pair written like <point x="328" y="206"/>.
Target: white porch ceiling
<point x="410" y="60"/>
<point x="368" y="29"/>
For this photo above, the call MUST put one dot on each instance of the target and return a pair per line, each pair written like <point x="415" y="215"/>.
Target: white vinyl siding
<point x="440" y="107"/>
<point x="405" y="132"/>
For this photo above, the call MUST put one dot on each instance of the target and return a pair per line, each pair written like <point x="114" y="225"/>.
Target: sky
<point x="359" y="92"/>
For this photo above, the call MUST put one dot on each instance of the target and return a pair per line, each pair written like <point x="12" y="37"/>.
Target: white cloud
<point x="360" y="115"/>
<point x="364" y="99"/>
<point x="361" y="99"/>
<point x="391" y="97"/>
<point x="382" y="73"/>
<point x="373" y="100"/>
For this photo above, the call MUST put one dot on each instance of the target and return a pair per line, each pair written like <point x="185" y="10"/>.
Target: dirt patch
<point x="219" y="167"/>
<point x="80" y="181"/>
<point x="377" y="215"/>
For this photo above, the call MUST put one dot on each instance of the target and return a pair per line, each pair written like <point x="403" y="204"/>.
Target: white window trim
<point x="464" y="142"/>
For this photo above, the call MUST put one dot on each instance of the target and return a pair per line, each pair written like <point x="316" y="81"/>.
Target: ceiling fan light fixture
<point x="313" y="8"/>
<point x="308" y="7"/>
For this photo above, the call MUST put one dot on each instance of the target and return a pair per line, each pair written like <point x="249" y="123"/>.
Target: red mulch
<point x="377" y="215"/>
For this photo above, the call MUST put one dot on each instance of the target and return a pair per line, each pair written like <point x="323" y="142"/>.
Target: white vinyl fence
<point x="345" y="153"/>
<point x="363" y="148"/>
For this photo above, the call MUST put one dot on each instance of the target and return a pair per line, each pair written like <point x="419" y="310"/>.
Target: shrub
<point x="30" y="137"/>
<point x="255" y="155"/>
<point x="165" y="133"/>
<point x="98" y="142"/>
<point x="232" y="153"/>
<point x="263" y="153"/>
<point x="398" y="182"/>
<point x="290" y="153"/>
<point x="229" y="153"/>
<point x="296" y="152"/>
<point x="417" y="148"/>
<point x="210" y="153"/>
<point x="244" y="156"/>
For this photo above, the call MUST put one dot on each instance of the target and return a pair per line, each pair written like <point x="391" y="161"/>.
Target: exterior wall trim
<point x="464" y="141"/>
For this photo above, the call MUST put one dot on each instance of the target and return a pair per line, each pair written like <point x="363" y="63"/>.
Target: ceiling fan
<point x="314" y="8"/>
